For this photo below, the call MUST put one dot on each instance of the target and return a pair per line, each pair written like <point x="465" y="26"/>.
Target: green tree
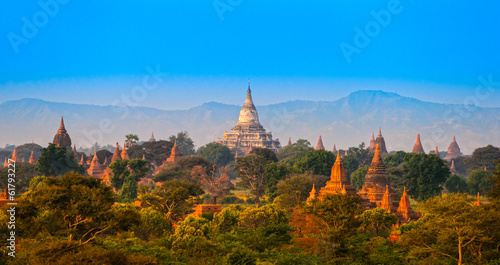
<point x="362" y="154"/>
<point x="24" y="173"/>
<point x="483" y="157"/>
<point x="55" y="161"/>
<point x="454" y="230"/>
<point x="184" y="143"/>
<point x="120" y="173"/>
<point x="173" y="198"/>
<point x="358" y="177"/>
<point x="295" y="152"/>
<point x="424" y="175"/>
<point x="266" y="153"/>
<point x="350" y="164"/>
<point x="456" y="184"/>
<point x="216" y="153"/>
<point x="318" y="161"/>
<point x="479" y="181"/>
<point x="155" y="152"/>
<point x="293" y="190"/>
<point x="324" y="225"/>
<point x="182" y="168"/>
<point x="394" y="160"/>
<point x="275" y="172"/>
<point x="494" y="193"/>
<point x="131" y="140"/>
<point x="74" y="206"/>
<point x="252" y="171"/>
<point x="377" y="221"/>
<point x="152" y="225"/>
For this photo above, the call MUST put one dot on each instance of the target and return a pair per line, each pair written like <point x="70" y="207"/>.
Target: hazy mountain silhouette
<point x="345" y="122"/>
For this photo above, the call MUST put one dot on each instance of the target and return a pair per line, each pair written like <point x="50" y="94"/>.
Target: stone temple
<point x="248" y="132"/>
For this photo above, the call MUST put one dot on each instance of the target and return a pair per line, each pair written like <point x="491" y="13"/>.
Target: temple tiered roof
<point x="95" y="169"/>
<point x="62" y="137"/>
<point x="248" y="130"/>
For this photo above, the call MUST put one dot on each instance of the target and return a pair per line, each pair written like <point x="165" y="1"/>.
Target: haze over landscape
<point x="346" y="122"/>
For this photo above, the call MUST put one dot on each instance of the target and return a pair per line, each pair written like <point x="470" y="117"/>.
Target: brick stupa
<point x="417" y="148"/>
<point x="377" y="183"/>
<point x="436" y="152"/>
<point x="379" y="141"/>
<point x="116" y="154"/>
<point x="124" y="154"/>
<point x="404" y="209"/>
<point x="319" y="145"/>
<point x="372" y="144"/>
<point x="95" y="169"/>
<point x="334" y="150"/>
<point x="62" y="137"/>
<point x="174" y="154"/>
<point x="338" y="183"/>
<point x="32" y="158"/>
<point x="453" y="150"/>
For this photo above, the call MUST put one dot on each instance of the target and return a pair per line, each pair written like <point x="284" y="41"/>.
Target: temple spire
<point x="417" y="148"/>
<point x="436" y="152"/>
<point x="453" y="170"/>
<point x="32" y="158"/>
<point x="319" y="145"/>
<point x="95" y="169"/>
<point x="174" y="153"/>
<point x="478" y="201"/>
<point x="14" y="155"/>
<point x="116" y="154"/>
<point x="289" y="141"/>
<point x="152" y="138"/>
<point x="61" y="127"/>
<point x="62" y="137"/>
<point x="124" y="154"/>
<point x="387" y="200"/>
<point x="378" y="141"/>
<point x="334" y="150"/>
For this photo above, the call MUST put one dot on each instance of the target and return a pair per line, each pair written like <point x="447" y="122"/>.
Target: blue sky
<point x="97" y="51"/>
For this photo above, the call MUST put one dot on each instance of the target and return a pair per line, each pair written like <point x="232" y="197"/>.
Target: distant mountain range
<point x="345" y="122"/>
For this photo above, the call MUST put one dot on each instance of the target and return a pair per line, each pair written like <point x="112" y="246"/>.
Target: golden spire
<point x="174" y="153"/>
<point x="478" y="202"/>
<point x="124" y="153"/>
<point x="14" y="155"/>
<point x="95" y="169"/>
<point x="387" y="200"/>
<point x="32" y="158"/>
